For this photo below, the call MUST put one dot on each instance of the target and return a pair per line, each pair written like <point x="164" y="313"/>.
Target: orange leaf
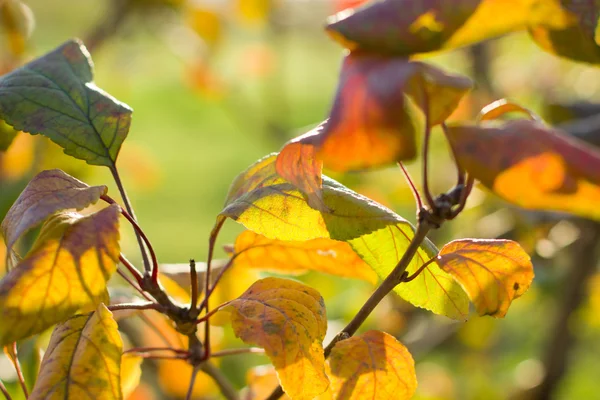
<point x="372" y="366"/>
<point x="288" y="320"/>
<point x="531" y="165"/>
<point x="492" y="272"/>
<point x="48" y="192"/>
<point x="323" y="255"/>
<point x="372" y="123"/>
<point x="261" y="382"/>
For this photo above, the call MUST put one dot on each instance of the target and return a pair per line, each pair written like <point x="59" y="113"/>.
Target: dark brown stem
<point x="393" y="279"/>
<point x="413" y="188"/>
<point x="136" y="306"/>
<point x="227" y="390"/>
<point x="426" y="190"/>
<point x="4" y="391"/>
<point x="133" y="270"/>
<point x="17" y="365"/>
<point x="194" y="285"/>
<point x="461" y="173"/>
<point x="418" y="272"/>
<point x="232" y="352"/>
<point x="190" y="390"/>
<point x="214" y="285"/>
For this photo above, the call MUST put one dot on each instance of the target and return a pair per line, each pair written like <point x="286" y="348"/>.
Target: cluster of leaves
<point x="296" y="218"/>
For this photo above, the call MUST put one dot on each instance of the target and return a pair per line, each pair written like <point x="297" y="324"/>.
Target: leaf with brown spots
<point x="324" y="255"/>
<point x="531" y="165"/>
<point x="48" y="192"/>
<point x="274" y="208"/>
<point x="373" y="366"/>
<point x="373" y="120"/>
<point x="55" y="96"/>
<point x="66" y="270"/>
<point x="288" y="320"/>
<point x="492" y="272"/>
<point x="83" y="360"/>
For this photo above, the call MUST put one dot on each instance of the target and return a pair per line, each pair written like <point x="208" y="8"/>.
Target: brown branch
<point x="232" y="352"/>
<point x="14" y="356"/>
<point x="4" y="391"/>
<point x="136" y="306"/>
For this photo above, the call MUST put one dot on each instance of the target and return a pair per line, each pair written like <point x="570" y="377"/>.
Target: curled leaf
<point x="270" y="206"/>
<point x="66" y="270"/>
<point x="323" y="255"/>
<point x="531" y="165"/>
<point x="83" y="360"/>
<point x="372" y="366"/>
<point x="48" y="192"/>
<point x="492" y="272"/>
<point x="288" y="320"/>
<point x="55" y="96"/>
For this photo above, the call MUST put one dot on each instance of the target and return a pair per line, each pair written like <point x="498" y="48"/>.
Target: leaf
<point x="492" y="272"/>
<point x="323" y="255"/>
<point x="83" y="360"/>
<point x="371" y="366"/>
<point x="48" y="192"/>
<point x="55" y="96"/>
<point x="406" y="27"/>
<point x="265" y="203"/>
<point x="66" y="270"/>
<point x="531" y="165"/>
<point x="576" y="37"/>
<point x="261" y="381"/>
<point x="131" y="373"/>
<point x="288" y="320"/>
<point x="372" y="122"/>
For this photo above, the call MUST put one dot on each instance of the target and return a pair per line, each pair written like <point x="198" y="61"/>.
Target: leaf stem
<point x="149" y="349"/>
<point x="194" y="285"/>
<point x="190" y="390"/>
<point x="418" y="272"/>
<point x="133" y="270"/>
<point x="133" y="285"/>
<point x="227" y="390"/>
<point x="413" y="188"/>
<point x="426" y="191"/>
<point x="4" y="391"/>
<point x="210" y="314"/>
<point x="14" y="356"/>
<point x="136" y="306"/>
<point x="129" y="208"/>
<point x="232" y="352"/>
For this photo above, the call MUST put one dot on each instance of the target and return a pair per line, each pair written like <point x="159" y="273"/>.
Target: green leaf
<point x="66" y="270"/>
<point x="267" y="204"/>
<point x="83" y="360"/>
<point x="55" y="96"/>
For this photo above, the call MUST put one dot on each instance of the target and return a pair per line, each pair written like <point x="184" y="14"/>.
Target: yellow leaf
<point x="372" y="366"/>
<point x="492" y="272"/>
<point x="131" y="372"/>
<point x="83" y="360"/>
<point x="323" y="255"/>
<point x="288" y="320"/>
<point x="67" y="269"/>
<point x="261" y="382"/>
<point x="18" y="159"/>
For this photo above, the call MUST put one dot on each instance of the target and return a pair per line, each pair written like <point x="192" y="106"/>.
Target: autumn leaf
<point x="55" y="96"/>
<point x="66" y="270"/>
<point x="267" y="204"/>
<point x="406" y="27"/>
<point x="492" y="272"/>
<point x="131" y="373"/>
<point x="531" y="165"/>
<point x="371" y="366"/>
<point x="48" y="192"/>
<point x="83" y="360"/>
<point x="261" y="381"/>
<point x="373" y="120"/>
<point x="324" y="255"/>
<point x="288" y="320"/>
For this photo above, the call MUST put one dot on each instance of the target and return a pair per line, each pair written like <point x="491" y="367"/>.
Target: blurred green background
<point x="216" y="85"/>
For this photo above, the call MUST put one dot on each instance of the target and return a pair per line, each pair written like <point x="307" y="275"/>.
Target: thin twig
<point x="132" y="270"/>
<point x="156" y="329"/>
<point x="413" y="188"/>
<point x="214" y="285"/>
<point x="149" y="356"/>
<point x="227" y="390"/>
<point x="459" y="169"/>
<point x="129" y="208"/>
<point x="194" y="285"/>
<point x="209" y="314"/>
<point x="232" y="352"/>
<point x="190" y="390"/>
<point x="15" y="360"/>
<point x="133" y="285"/>
<point x="417" y="272"/>
<point x="136" y="306"/>
<point x="4" y="391"/>
<point x="149" y="349"/>
<point x="426" y="190"/>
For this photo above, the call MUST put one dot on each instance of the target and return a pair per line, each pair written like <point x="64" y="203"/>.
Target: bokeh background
<point x="217" y="84"/>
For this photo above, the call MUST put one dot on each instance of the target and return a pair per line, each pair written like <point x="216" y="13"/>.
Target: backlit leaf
<point x="261" y="381"/>
<point x="66" y="270"/>
<point x="371" y="366"/>
<point x="323" y="255"/>
<point x="372" y="122"/>
<point x="83" y="360"/>
<point x="531" y="165"/>
<point x="405" y="27"/>
<point x="492" y="272"/>
<point x="131" y="373"/>
<point x="288" y="320"/>
<point x="267" y="204"/>
<point x="48" y="192"/>
<point x="55" y="96"/>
